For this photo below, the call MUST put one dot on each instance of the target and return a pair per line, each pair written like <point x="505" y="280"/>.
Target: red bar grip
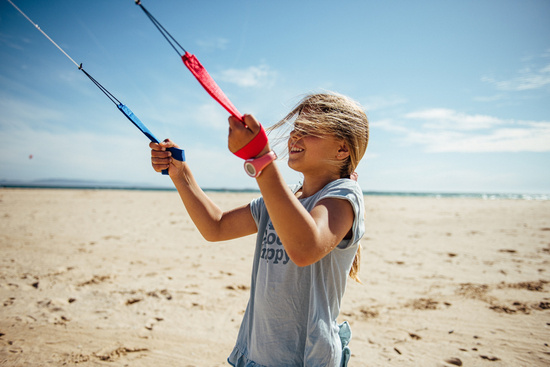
<point x="196" y="68"/>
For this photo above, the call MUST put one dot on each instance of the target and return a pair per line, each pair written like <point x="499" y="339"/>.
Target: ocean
<point x="101" y="185"/>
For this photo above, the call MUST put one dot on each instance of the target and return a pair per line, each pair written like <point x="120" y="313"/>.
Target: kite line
<point x="256" y="145"/>
<point x="177" y="154"/>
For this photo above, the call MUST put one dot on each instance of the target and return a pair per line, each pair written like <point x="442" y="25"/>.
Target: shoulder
<point x="349" y="190"/>
<point x="343" y="189"/>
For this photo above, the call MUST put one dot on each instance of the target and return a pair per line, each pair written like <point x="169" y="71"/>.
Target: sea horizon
<point x="117" y="185"/>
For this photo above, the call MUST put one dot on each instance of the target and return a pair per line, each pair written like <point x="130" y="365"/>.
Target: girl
<point x="308" y="235"/>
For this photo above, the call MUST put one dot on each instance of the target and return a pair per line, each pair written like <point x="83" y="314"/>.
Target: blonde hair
<point x="332" y="114"/>
<point x="356" y="266"/>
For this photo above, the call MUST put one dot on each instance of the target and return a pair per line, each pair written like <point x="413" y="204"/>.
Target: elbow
<point x="302" y="263"/>
<point x="211" y="232"/>
<point x="303" y="256"/>
<point x="210" y="236"/>
<point x="302" y="259"/>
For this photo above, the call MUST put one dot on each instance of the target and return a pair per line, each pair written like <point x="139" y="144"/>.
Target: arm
<point x="210" y="220"/>
<point x="306" y="236"/>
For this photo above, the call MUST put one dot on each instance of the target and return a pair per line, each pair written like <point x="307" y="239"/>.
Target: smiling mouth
<point x="296" y="150"/>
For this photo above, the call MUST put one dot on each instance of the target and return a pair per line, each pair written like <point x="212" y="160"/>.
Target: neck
<point x="313" y="184"/>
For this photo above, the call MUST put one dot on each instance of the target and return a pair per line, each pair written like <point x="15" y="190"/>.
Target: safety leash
<point x="177" y="154"/>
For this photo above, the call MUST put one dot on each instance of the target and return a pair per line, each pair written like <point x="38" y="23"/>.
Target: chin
<point x="293" y="166"/>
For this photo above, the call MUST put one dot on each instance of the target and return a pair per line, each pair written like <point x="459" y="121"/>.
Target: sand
<point x="122" y="278"/>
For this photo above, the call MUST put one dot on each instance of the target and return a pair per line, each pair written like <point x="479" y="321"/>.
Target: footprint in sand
<point x="96" y="279"/>
<point x="454" y="361"/>
<point x="109" y="354"/>
<point x="241" y="287"/>
<point x="9" y="301"/>
<point x="423" y="304"/>
<point x="152" y="322"/>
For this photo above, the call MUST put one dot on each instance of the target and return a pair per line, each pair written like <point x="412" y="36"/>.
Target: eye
<point x="297" y="134"/>
<point x="301" y="128"/>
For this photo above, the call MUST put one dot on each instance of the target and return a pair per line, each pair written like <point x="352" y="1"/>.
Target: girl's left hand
<point x="241" y="134"/>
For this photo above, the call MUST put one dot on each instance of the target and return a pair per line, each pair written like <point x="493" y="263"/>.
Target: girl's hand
<point x="161" y="159"/>
<point x="241" y="134"/>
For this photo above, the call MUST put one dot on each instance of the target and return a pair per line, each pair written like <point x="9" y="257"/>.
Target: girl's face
<point x="310" y="154"/>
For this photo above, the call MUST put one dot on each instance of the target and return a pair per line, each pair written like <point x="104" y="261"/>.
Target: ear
<point x="343" y="152"/>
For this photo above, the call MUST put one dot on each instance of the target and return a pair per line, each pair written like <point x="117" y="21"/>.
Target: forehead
<point x="309" y="130"/>
<point x="312" y="123"/>
<point x="307" y="118"/>
<point x="305" y="126"/>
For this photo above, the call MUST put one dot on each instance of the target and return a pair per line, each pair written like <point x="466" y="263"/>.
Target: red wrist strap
<point x="196" y="68"/>
<point x="254" y="146"/>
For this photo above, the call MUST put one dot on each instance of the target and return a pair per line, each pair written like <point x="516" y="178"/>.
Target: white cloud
<point x="494" y="98"/>
<point x="213" y="44"/>
<point x="211" y="115"/>
<point x="254" y="76"/>
<point x="500" y="140"/>
<point x="533" y="76"/>
<point x="9" y="41"/>
<point x="79" y="154"/>
<point x="15" y="111"/>
<point x="388" y="125"/>
<point x="442" y="118"/>
<point x="445" y="130"/>
<point x="526" y="82"/>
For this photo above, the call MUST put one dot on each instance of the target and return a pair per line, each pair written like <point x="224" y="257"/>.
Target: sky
<point x="457" y="92"/>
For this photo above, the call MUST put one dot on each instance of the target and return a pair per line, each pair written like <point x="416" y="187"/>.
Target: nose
<point x="293" y="138"/>
<point x="295" y="135"/>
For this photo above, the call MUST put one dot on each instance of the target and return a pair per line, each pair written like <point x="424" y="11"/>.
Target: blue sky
<point x="457" y="92"/>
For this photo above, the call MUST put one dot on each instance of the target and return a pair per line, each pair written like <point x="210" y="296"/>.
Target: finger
<point x="252" y="123"/>
<point x="161" y="160"/>
<point x="160" y="153"/>
<point x="160" y="164"/>
<point x="154" y="146"/>
<point x="235" y="124"/>
<point x="167" y="143"/>
<point x="160" y="168"/>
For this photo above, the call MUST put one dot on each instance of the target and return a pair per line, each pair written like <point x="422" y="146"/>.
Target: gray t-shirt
<point x="291" y="316"/>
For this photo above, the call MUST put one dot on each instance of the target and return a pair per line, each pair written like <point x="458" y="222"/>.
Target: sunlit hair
<point x="329" y="114"/>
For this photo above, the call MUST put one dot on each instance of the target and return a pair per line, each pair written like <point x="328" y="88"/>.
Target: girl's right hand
<point x="241" y="134"/>
<point x="161" y="158"/>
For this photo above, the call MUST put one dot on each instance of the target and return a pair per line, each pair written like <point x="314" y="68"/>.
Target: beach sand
<point x="122" y="278"/>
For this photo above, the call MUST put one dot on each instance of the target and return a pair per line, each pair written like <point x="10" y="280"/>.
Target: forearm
<point x="295" y="226"/>
<point x="206" y="215"/>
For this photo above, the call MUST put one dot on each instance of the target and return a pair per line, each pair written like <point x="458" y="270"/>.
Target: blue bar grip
<point x="177" y="154"/>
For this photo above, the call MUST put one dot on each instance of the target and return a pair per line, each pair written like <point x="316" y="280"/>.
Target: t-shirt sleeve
<point x="349" y="190"/>
<point x="256" y="206"/>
